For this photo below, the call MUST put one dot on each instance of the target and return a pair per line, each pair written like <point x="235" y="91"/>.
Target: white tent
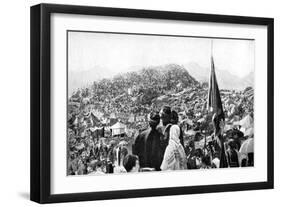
<point x="118" y="129"/>
<point x="249" y="132"/>
<point x="191" y="132"/>
<point x="187" y="121"/>
<point x="247" y="122"/>
<point x="247" y="146"/>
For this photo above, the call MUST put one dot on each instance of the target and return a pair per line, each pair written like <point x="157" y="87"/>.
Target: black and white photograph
<point x="148" y="102"/>
<point x="138" y="102"/>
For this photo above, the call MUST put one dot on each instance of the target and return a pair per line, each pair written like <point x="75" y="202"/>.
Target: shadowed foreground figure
<point x="147" y="145"/>
<point x="218" y="123"/>
<point x="232" y="155"/>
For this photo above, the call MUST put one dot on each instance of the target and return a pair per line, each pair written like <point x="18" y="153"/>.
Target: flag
<point x="214" y="98"/>
<point x="215" y="106"/>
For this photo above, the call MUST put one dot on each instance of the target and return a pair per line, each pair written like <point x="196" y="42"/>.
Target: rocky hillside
<point x="167" y="77"/>
<point x="129" y="97"/>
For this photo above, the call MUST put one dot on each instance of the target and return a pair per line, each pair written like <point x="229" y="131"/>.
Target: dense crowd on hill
<point x="130" y="99"/>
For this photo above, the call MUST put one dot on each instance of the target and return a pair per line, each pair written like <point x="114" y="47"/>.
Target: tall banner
<point x="215" y="106"/>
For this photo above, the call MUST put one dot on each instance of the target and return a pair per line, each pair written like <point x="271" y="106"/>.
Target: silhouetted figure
<point x="147" y="145"/>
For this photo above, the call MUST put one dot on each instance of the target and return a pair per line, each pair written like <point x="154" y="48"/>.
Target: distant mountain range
<point x="78" y="79"/>
<point x="225" y="79"/>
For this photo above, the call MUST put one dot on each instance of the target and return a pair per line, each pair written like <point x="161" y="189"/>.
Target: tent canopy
<point x="247" y="122"/>
<point x="118" y="129"/>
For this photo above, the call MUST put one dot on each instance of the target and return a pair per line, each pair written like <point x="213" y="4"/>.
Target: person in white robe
<point x="174" y="156"/>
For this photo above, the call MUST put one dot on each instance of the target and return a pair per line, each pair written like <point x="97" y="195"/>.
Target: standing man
<point x="147" y="145"/>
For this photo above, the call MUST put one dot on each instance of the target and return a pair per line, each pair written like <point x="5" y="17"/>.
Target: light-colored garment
<point x="174" y="157"/>
<point x="216" y="162"/>
<point x="118" y="168"/>
<point x="242" y="156"/>
<point x="98" y="172"/>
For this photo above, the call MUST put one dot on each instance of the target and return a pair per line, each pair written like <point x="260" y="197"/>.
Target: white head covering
<point x="175" y="133"/>
<point x="174" y="156"/>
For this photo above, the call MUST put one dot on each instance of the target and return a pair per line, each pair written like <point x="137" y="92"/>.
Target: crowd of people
<point x="160" y="147"/>
<point x="168" y="126"/>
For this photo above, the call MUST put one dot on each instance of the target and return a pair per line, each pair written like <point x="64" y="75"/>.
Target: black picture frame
<point x="41" y="99"/>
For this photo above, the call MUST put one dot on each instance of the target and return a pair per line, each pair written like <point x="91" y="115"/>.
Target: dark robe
<point x="232" y="158"/>
<point x="165" y="136"/>
<point x="147" y="147"/>
<point x="223" y="160"/>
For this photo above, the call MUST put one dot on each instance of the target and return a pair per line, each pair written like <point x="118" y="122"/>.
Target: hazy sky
<point x="121" y="52"/>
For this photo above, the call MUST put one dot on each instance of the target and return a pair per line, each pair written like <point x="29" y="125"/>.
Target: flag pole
<point x="215" y="106"/>
<point x="212" y="48"/>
